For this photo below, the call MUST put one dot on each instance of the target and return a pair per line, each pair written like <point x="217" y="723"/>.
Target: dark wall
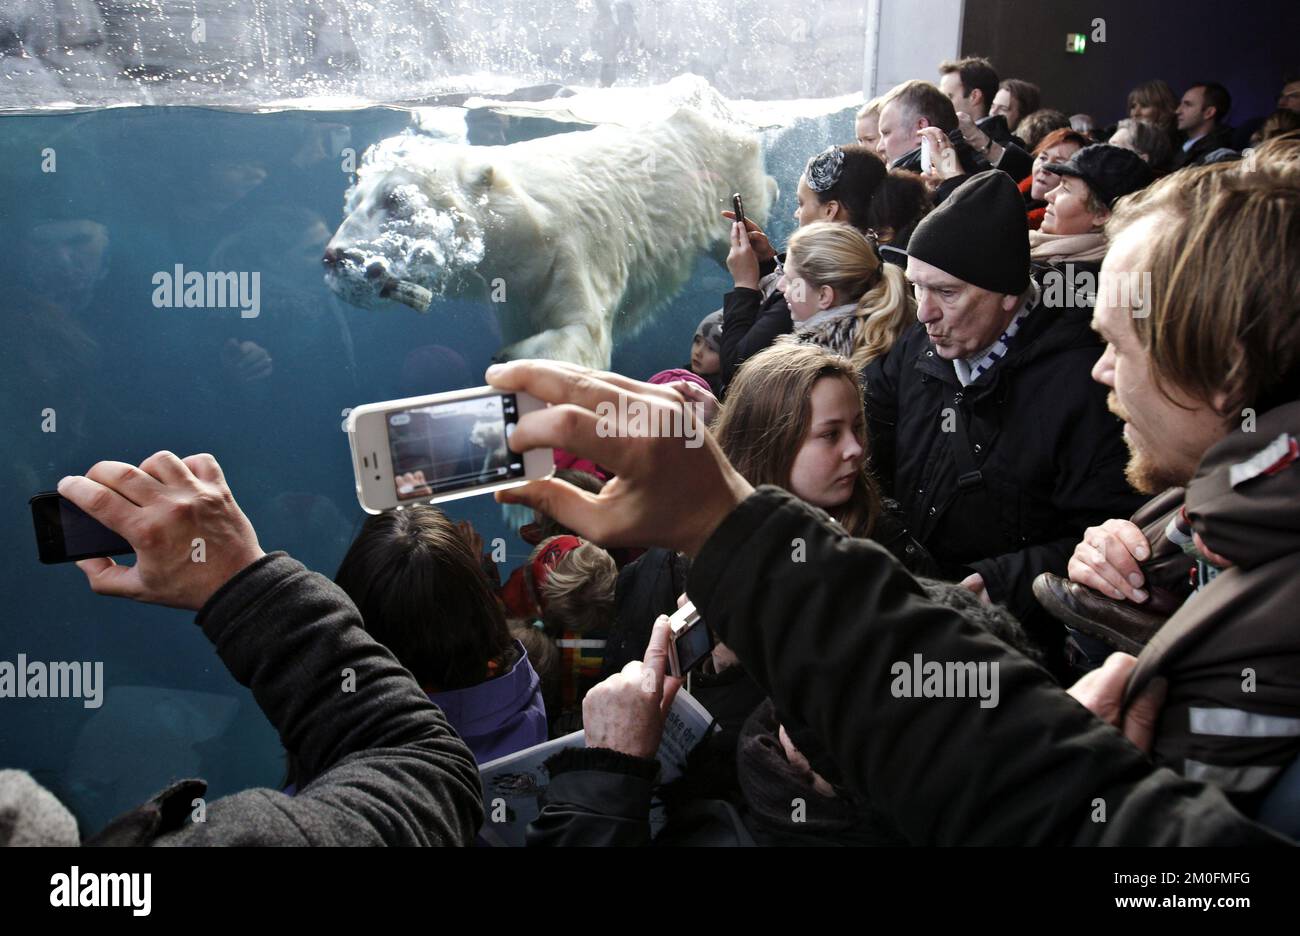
<point x="1248" y="46"/>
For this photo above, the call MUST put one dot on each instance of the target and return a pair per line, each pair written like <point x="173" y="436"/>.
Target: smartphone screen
<point x="65" y="532"/>
<point x="454" y="445"/>
<point x="738" y="207"/>
<point x="693" y="645"/>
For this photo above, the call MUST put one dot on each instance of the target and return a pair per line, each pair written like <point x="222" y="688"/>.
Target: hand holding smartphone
<point x="441" y="447"/>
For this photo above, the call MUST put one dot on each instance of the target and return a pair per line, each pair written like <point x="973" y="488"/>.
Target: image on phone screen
<point x="454" y="445"/>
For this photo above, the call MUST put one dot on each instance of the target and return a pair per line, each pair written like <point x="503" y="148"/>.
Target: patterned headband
<point x="824" y="169"/>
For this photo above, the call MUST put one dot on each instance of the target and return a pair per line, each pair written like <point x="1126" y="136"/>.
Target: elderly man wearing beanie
<point x="985" y="424"/>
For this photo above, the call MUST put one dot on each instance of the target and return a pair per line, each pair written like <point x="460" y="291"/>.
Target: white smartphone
<point x="430" y="449"/>
<point x="925" y="156"/>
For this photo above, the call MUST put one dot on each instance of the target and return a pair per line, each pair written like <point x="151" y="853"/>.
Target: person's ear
<point x="1009" y="302"/>
<point x="832" y="210"/>
<point x="1220" y="401"/>
<point x="825" y="297"/>
<point x="1099" y="220"/>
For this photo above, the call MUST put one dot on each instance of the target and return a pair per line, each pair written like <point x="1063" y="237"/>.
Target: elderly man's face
<point x="961" y="319"/>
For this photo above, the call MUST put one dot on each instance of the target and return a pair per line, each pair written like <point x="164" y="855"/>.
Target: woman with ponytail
<point x="847" y="186"/>
<point x="841" y="296"/>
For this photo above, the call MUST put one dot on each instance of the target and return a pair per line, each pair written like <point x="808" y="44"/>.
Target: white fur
<point x="582" y="234"/>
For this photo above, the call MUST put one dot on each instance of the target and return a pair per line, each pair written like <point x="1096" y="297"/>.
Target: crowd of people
<point x="1020" y="394"/>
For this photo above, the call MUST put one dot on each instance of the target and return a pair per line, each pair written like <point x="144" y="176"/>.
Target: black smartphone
<point x="66" y="533"/>
<point x="738" y="207"/>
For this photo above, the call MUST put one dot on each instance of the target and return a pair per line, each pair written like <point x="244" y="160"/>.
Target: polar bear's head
<point x="414" y="224"/>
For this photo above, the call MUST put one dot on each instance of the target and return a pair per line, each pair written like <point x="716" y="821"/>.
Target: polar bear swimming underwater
<point x="575" y="237"/>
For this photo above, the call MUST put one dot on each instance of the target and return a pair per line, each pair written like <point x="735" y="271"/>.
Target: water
<point x="135" y="192"/>
<point x="250" y="53"/>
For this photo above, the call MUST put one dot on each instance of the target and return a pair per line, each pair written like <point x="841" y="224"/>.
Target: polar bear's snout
<point x="403" y="239"/>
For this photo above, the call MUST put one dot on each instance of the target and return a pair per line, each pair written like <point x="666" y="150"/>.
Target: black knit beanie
<point x="979" y="234"/>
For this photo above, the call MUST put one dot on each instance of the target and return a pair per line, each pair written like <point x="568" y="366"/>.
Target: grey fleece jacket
<point x="385" y="767"/>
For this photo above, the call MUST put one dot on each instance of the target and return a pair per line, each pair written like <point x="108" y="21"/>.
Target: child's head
<point x="573" y="583"/>
<point x="422" y="594"/>
<point x="706" y="346"/>
<point x="794" y="418"/>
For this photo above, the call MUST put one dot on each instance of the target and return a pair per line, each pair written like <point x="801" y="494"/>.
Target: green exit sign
<point x="1076" y="42"/>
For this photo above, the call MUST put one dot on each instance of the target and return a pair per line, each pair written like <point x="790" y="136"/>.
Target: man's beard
<point x="1142" y="472"/>
<point x="1145" y="476"/>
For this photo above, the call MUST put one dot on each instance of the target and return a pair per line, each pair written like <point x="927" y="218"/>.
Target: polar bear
<point x="575" y="238"/>
<point x="487" y="435"/>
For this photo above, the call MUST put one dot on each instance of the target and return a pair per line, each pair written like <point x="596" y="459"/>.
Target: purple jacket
<point x="500" y="716"/>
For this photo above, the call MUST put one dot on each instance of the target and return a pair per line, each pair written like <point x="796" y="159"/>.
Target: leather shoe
<point x="1119" y="624"/>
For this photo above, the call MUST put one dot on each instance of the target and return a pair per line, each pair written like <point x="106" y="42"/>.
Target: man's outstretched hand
<point x="189" y="535"/>
<point x="670" y="489"/>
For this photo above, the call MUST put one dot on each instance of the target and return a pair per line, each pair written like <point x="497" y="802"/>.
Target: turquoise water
<point x="86" y="354"/>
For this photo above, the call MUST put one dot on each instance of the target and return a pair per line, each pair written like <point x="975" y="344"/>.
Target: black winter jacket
<point x="649" y="586"/>
<point x="1218" y="138"/>
<point x="823" y="638"/>
<point x="750" y="323"/>
<point x="382" y="764"/>
<point x="1049" y="456"/>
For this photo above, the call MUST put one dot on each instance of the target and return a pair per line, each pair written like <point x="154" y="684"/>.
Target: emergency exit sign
<point x="1076" y="42"/>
